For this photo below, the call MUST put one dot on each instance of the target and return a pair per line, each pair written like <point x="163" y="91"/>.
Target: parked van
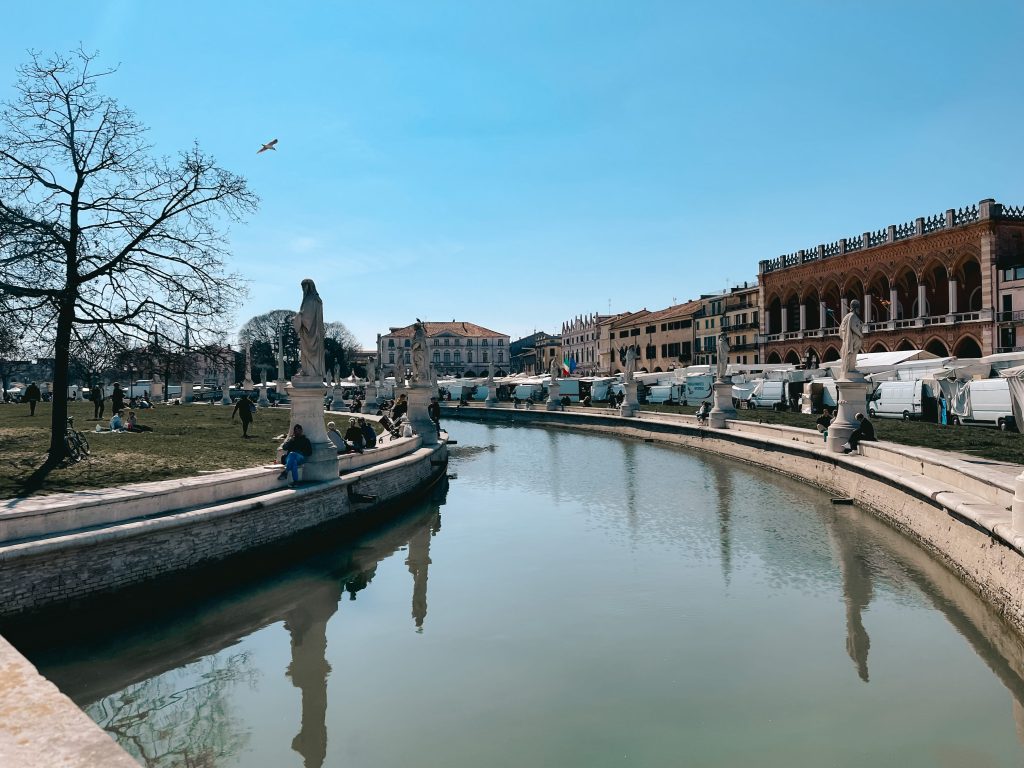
<point x="987" y="402"/>
<point x="666" y="393"/>
<point x="897" y="400"/>
<point x="768" y="394"/>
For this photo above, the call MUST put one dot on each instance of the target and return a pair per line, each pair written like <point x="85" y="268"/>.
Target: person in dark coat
<point x="398" y="410"/>
<point x="434" y="412"/>
<point x="33" y="396"/>
<point x="865" y="431"/>
<point x="245" y="409"/>
<point x="117" y="399"/>
<point x="294" y="452"/>
<point x="354" y="436"/>
<point x="369" y="434"/>
<point x="96" y="395"/>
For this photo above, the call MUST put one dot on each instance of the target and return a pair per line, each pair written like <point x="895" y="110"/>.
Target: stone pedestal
<point x="554" y="396"/>
<point x="723" y="408"/>
<point x="337" y="404"/>
<point x="307" y="398"/>
<point x="853" y="397"/>
<point x="490" y="401"/>
<point x="1017" y="508"/>
<point x="419" y="398"/>
<point x="372" y="401"/>
<point x="187" y="393"/>
<point x="630" y="405"/>
<point x="225" y="391"/>
<point x="264" y="401"/>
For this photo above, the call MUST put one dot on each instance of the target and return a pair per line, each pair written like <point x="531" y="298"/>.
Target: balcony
<point x="1011" y="317"/>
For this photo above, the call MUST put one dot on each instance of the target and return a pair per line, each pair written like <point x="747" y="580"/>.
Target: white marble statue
<point x="420" y="367"/>
<point x="248" y="362"/>
<point x="630" y="361"/>
<point x="337" y="373"/>
<point x="851" y="333"/>
<point x="722" y="364"/>
<point x="371" y="369"/>
<point x="555" y="369"/>
<point x="309" y="325"/>
<point x="490" y="372"/>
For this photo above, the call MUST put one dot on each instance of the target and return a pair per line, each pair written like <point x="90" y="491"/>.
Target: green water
<point x="574" y="600"/>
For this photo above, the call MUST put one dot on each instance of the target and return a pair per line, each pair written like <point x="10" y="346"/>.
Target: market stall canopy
<point x="1016" y="382"/>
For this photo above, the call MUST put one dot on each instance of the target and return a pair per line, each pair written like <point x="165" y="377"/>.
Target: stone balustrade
<point x="919" y="227"/>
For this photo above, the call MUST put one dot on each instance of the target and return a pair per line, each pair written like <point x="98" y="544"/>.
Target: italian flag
<point x="568" y="366"/>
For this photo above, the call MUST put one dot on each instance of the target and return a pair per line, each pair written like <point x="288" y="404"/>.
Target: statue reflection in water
<point x="307" y="623"/>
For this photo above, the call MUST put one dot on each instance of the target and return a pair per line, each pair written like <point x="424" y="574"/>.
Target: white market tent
<point x="1016" y="383"/>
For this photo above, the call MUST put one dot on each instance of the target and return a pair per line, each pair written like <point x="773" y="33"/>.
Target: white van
<point x="988" y="402"/>
<point x="767" y="394"/>
<point x="665" y="393"/>
<point x="897" y="400"/>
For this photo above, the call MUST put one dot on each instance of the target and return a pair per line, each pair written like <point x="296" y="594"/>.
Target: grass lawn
<point x="985" y="442"/>
<point x="185" y="441"/>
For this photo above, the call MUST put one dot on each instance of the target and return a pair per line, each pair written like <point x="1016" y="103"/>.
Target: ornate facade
<point x="938" y="283"/>
<point x="456" y="348"/>
<point x="581" y="339"/>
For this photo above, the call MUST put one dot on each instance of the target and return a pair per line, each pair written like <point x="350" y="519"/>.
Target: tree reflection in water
<point x="180" y="718"/>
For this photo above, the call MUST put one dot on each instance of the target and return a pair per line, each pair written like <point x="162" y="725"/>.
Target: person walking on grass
<point x="294" y="452"/>
<point x="33" y="396"/>
<point x="96" y="395"/>
<point x="245" y="410"/>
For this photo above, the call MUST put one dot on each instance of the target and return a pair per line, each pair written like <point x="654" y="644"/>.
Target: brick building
<point x="952" y="283"/>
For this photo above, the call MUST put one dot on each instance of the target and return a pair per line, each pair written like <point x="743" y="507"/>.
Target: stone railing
<point x="953" y="217"/>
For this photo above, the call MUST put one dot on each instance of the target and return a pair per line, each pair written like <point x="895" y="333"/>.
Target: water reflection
<point x="723" y="489"/>
<point x="182" y="718"/>
<point x="164" y="693"/>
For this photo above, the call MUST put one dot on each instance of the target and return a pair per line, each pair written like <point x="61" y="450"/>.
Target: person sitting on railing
<point x="294" y="452"/>
<point x="866" y="431"/>
<point x="823" y="423"/>
<point x="703" y="412"/>
<point x="354" y="437"/>
<point x="336" y="437"/>
<point x="369" y="434"/>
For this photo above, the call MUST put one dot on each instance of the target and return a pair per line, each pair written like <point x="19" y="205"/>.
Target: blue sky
<point x="515" y="164"/>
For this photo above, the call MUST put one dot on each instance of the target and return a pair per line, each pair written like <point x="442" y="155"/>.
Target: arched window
<point x="437" y="356"/>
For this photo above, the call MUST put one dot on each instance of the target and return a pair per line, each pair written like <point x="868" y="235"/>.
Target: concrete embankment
<point x="60" y="549"/>
<point x="955" y="506"/>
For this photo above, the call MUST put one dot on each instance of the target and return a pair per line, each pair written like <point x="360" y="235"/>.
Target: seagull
<point x="268" y="145"/>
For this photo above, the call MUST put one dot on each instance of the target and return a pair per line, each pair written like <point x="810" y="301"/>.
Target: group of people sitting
<point x="359" y="436"/>
<point x="121" y="422"/>
<point x="865" y="429"/>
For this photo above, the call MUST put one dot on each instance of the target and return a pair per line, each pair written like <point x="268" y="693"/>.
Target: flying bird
<point x="268" y="145"/>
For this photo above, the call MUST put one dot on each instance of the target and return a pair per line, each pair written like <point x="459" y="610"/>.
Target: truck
<point x="768" y="394"/>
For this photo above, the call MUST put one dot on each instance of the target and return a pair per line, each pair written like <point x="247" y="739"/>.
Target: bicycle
<point x="75" y="442"/>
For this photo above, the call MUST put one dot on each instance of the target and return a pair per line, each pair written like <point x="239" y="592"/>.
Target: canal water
<point x="570" y="600"/>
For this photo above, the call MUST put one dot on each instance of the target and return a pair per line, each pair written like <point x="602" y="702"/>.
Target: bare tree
<point x="264" y="331"/>
<point x="96" y="233"/>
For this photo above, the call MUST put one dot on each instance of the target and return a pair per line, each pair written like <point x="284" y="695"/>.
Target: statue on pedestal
<point x="630" y="361"/>
<point x="309" y="325"/>
<point x="556" y="369"/>
<point x="420" y="368"/>
<point x="722" y="364"/>
<point x="851" y="333"/>
<point x="371" y="370"/>
<point x="490" y="372"/>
